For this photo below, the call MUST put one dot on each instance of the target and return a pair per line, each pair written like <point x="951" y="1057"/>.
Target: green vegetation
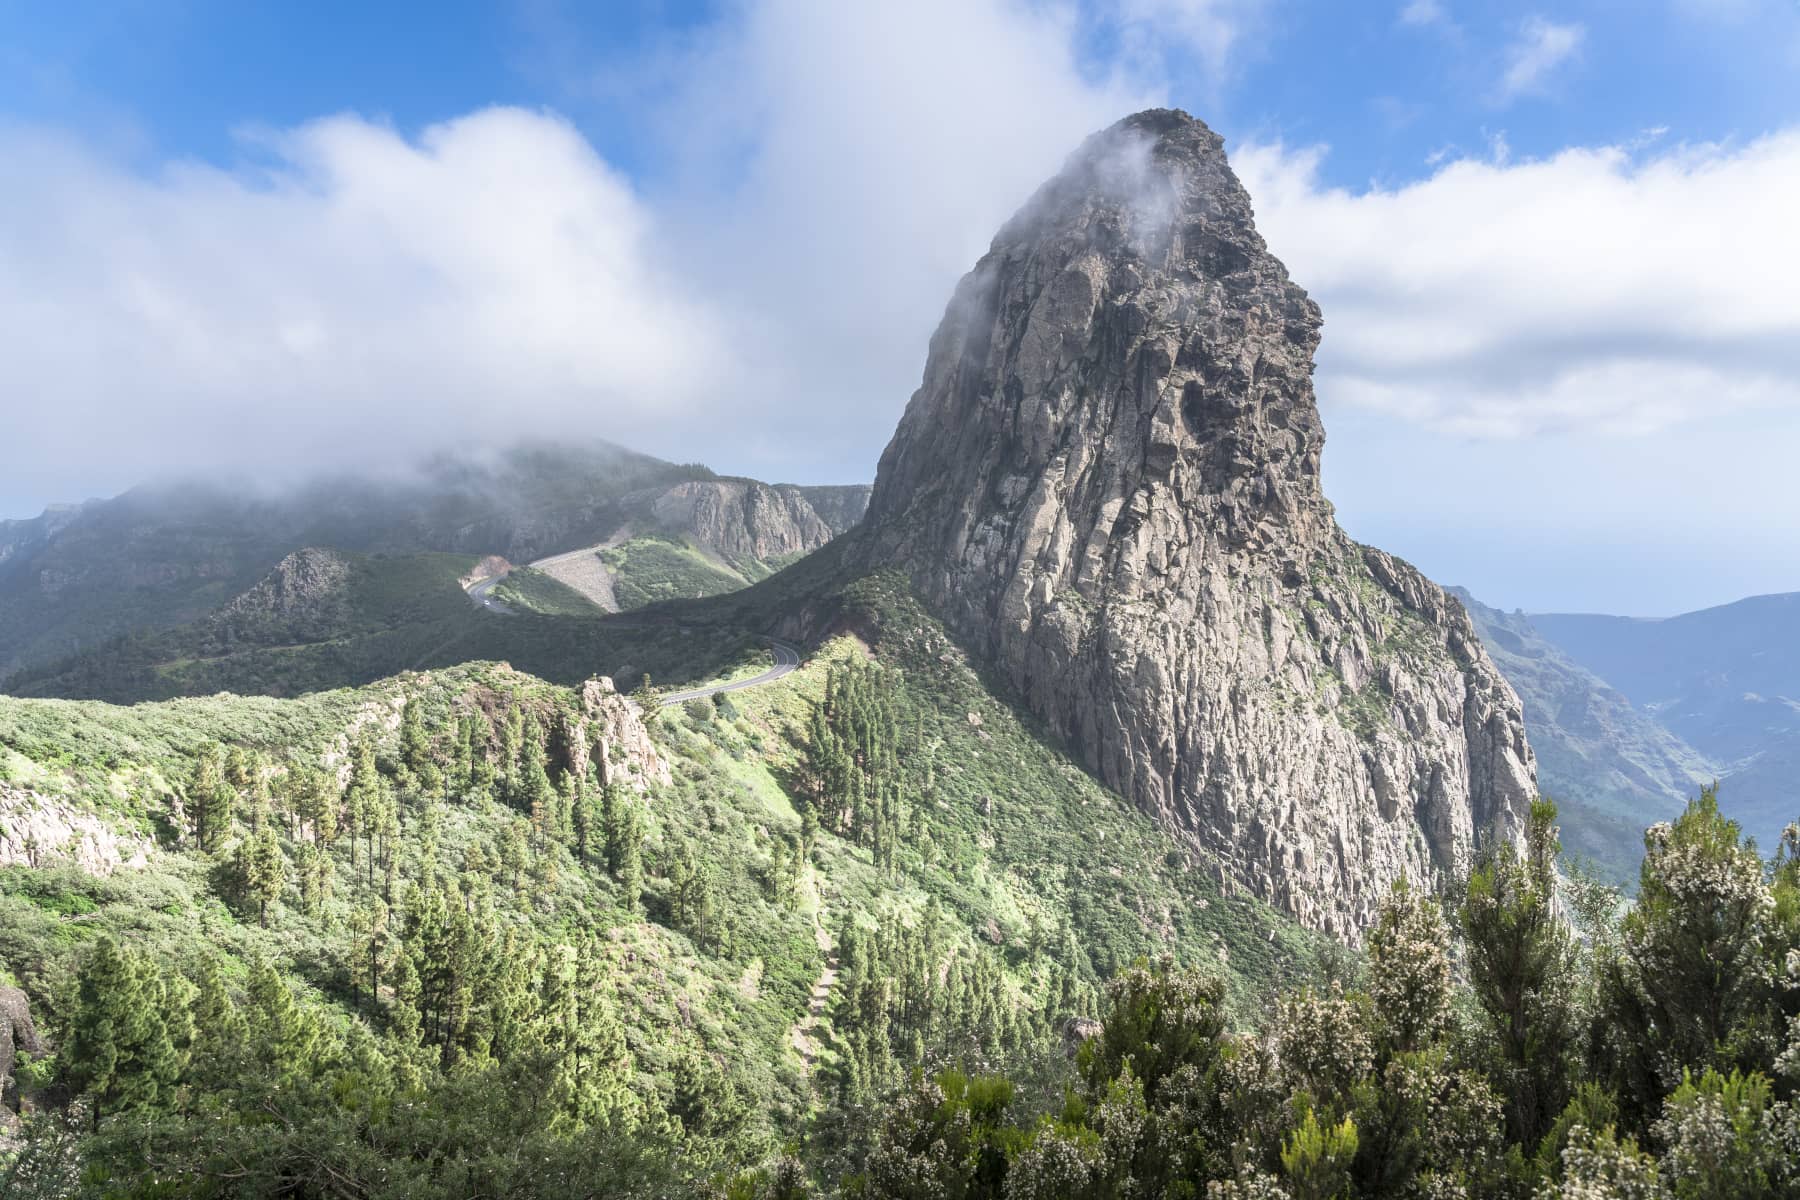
<point x="1657" y="1056"/>
<point x="665" y="567"/>
<point x="532" y="591"/>
<point x="161" y="556"/>
<point x="395" y="613"/>
<point x="875" y="937"/>
<point x="404" y="939"/>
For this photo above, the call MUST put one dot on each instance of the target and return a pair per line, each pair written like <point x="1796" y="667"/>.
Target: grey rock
<point x="17" y="1033"/>
<point x="622" y="750"/>
<point x="741" y="519"/>
<point x="1108" y="485"/>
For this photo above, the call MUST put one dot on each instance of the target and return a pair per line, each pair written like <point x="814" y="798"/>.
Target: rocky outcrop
<point x="1108" y="485"/>
<point x="840" y="506"/>
<point x="740" y="519"/>
<point x="37" y="830"/>
<point x="622" y="750"/>
<point x="18" y="1035"/>
<point x="300" y="586"/>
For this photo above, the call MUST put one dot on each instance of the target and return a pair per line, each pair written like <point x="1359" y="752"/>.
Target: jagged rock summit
<point x="1108" y="484"/>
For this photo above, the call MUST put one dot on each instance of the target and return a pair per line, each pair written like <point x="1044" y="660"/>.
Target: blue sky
<point x="1549" y="240"/>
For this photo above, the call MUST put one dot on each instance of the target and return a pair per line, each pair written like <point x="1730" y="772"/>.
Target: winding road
<point x="478" y="592"/>
<point x="786" y="657"/>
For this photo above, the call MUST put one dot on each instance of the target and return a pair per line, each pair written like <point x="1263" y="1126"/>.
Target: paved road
<point x="786" y="657"/>
<point x="478" y="592"/>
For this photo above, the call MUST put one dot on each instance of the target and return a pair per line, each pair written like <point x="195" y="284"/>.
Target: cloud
<point x="1596" y="291"/>
<point x="1424" y="13"/>
<point x="1541" y="47"/>
<point x="1212" y="29"/>
<point x="349" y="292"/>
<point x="352" y="295"/>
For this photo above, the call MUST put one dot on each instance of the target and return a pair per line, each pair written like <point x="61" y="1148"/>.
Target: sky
<point x="1555" y="244"/>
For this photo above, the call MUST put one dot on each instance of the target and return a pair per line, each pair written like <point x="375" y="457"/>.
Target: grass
<point x="662" y="567"/>
<point x="533" y="591"/>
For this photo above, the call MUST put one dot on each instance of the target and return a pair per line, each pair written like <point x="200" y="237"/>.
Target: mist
<point x="757" y="293"/>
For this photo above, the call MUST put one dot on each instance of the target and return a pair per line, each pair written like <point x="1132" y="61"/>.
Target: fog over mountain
<point x="753" y="287"/>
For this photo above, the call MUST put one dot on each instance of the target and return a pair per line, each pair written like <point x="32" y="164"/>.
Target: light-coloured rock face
<point x="742" y="519"/>
<point x="622" y="750"/>
<point x="37" y="830"/>
<point x="1108" y="483"/>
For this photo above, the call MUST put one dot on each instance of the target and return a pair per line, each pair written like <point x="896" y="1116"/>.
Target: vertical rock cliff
<point x="1108" y="484"/>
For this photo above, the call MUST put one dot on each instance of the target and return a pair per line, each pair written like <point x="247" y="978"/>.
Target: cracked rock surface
<point x="1108" y="485"/>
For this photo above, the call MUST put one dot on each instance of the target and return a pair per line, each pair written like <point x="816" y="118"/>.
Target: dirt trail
<point x="805" y="1034"/>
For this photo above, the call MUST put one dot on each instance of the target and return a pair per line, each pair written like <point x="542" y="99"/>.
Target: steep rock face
<point x="1109" y="484"/>
<point x="742" y="519"/>
<point x="614" y="726"/>
<point x="36" y="829"/>
<point x="840" y="506"/>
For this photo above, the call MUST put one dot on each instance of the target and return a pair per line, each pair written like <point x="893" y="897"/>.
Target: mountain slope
<point x="1108" y="484"/>
<point x="166" y="555"/>
<point x="1000" y="882"/>
<point x="1725" y="680"/>
<point x="1611" y="767"/>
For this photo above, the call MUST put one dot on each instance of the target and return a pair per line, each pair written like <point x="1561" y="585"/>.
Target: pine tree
<point x="282" y="1035"/>
<point x="219" y="1029"/>
<point x="210" y="798"/>
<point x="515" y="851"/>
<point x="371" y="949"/>
<point x="316" y="802"/>
<point x="119" y="1051"/>
<point x="264" y="869"/>
<point x="415" y="745"/>
<point x="623" y="827"/>
<point x="311" y="873"/>
<point x="362" y="797"/>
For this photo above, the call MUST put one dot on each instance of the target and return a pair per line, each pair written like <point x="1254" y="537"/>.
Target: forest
<point x="430" y="938"/>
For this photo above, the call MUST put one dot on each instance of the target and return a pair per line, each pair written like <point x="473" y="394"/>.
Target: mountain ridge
<point x="164" y="555"/>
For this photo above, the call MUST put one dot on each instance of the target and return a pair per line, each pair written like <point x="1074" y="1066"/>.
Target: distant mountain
<point x="166" y="555"/>
<point x="1611" y="767"/>
<point x="1724" y="680"/>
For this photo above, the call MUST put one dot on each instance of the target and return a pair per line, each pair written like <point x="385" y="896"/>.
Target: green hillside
<point x="531" y="591"/>
<point x="392" y="613"/>
<point x="666" y="567"/>
<point x="475" y="889"/>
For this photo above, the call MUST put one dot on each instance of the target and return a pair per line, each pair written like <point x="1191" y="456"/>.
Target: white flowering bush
<point x="1409" y="969"/>
<point x="1060" y="1163"/>
<point x="1601" y="1166"/>
<point x="1723" y="1141"/>
<point x="1691" y="972"/>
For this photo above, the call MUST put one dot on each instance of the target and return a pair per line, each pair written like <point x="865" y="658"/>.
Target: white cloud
<point x="1541" y="47"/>
<point x="1212" y="29"/>
<point x="356" y="293"/>
<point x="1593" y="291"/>
<point x="1424" y="12"/>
